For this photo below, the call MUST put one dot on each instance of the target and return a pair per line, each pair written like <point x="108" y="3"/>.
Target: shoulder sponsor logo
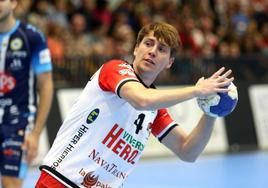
<point x="125" y="65"/>
<point x="44" y="56"/>
<point x="93" y="116"/>
<point x="7" y="83"/>
<point x="127" y="72"/>
<point x="16" y="44"/>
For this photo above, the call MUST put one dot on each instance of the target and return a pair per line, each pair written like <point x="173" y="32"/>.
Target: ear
<point x="170" y="63"/>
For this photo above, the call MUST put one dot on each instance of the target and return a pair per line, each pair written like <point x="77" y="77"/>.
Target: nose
<point x="152" y="51"/>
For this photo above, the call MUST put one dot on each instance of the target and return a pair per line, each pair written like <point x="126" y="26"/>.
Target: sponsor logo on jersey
<point x="17" y="54"/>
<point x="6" y="102"/>
<point x="76" y="138"/>
<point x="7" y="83"/>
<point x="70" y="147"/>
<point x="112" y="168"/>
<point x="91" y="180"/>
<point x="16" y="65"/>
<point x="123" y="144"/>
<point x="11" y="143"/>
<point x="16" y="44"/>
<point x="125" y="65"/>
<point x="11" y="153"/>
<point x="93" y="116"/>
<point x="129" y="72"/>
<point x="11" y="167"/>
<point x="44" y="56"/>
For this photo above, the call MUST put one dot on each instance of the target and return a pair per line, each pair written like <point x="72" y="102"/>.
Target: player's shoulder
<point x="117" y="63"/>
<point x="31" y="31"/>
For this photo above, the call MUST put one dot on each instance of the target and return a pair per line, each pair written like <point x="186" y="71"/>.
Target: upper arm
<point x="134" y="93"/>
<point x="40" y="54"/>
<point x="45" y="79"/>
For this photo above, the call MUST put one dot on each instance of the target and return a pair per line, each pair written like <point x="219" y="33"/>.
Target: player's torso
<point x="109" y="138"/>
<point x="15" y="65"/>
<point x="17" y="80"/>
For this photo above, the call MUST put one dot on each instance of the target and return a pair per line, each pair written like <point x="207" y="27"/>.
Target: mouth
<point x="149" y="61"/>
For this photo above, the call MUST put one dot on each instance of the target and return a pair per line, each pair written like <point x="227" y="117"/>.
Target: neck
<point x="7" y="24"/>
<point x="147" y="77"/>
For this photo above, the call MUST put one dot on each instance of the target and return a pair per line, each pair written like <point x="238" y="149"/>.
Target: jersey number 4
<point x="138" y="122"/>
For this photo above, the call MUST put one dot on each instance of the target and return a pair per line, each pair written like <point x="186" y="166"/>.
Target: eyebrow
<point x="154" y="39"/>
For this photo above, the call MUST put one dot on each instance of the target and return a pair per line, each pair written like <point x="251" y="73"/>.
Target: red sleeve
<point x="162" y="124"/>
<point x="114" y="74"/>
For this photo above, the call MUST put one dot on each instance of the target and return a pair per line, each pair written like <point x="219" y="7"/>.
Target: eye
<point x="162" y="49"/>
<point x="148" y="43"/>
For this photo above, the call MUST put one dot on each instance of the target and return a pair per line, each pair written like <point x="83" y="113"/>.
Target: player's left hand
<point x="30" y="146"/>
<point x="215" y="83"/>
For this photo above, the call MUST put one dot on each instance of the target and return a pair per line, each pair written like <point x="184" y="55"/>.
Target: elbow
<point x="188" y="158"/>
<point x="141" y="104"/>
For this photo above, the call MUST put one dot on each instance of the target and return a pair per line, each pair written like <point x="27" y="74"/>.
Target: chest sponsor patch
<point x="93" y="116"/>
<point x="7" y="83"/>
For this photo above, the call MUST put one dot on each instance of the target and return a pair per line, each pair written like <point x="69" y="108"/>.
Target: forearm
<point x="44" y="104"/>
<point x="151" y="99"/>
<point x="168" y="97"/>
<point x="197" y="140"/>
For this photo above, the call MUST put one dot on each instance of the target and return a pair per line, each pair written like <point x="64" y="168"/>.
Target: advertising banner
<point x="258" y="95"/>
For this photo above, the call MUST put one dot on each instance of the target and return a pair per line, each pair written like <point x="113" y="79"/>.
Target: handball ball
<point x="220" y="104"/>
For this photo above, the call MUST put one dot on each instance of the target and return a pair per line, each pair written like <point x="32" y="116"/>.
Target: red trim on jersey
<point x="161" y="123"/>
<point x="47" y="181"/>
<point x="113" y="73"/>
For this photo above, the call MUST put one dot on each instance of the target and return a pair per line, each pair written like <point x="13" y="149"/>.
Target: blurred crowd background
<point x="83" y="34"/>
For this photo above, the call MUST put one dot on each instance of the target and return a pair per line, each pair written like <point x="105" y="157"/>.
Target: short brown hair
<point x="163" y="32"/>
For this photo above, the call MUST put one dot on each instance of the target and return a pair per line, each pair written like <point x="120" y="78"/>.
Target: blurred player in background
<point x="104" y="135"/>
<point x="25" y="68"/>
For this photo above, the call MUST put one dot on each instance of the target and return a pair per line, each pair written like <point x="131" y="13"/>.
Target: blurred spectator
<point x="223" y="49"/>
<point x="127" y="8"/>
<point x="87" y="11"/>
<point x="234" y="50"/>
<point x="264" y="39"/>
<point x="76" y="43"/>
<point x="99" y="42"/>
<point x="39" y="14"/>
<point x="55" y="40"/>
<point x="59" y="13"/>
<point x="208" y="28"/>
<point x="240" y="19"/>
<point x="102" y="14"/>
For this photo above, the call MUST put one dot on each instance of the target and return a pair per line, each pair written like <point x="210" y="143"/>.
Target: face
<point x="152" y="56"/>
<point x="6" y="9"/>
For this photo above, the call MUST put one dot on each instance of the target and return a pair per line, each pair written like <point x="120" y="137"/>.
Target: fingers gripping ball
<point x="220" y="104"/>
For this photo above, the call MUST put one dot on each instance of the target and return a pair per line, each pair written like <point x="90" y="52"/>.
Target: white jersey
<point x="103" y="136"/>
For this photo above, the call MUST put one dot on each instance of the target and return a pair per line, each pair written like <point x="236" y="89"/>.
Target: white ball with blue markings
<point x="220" y="104"/>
